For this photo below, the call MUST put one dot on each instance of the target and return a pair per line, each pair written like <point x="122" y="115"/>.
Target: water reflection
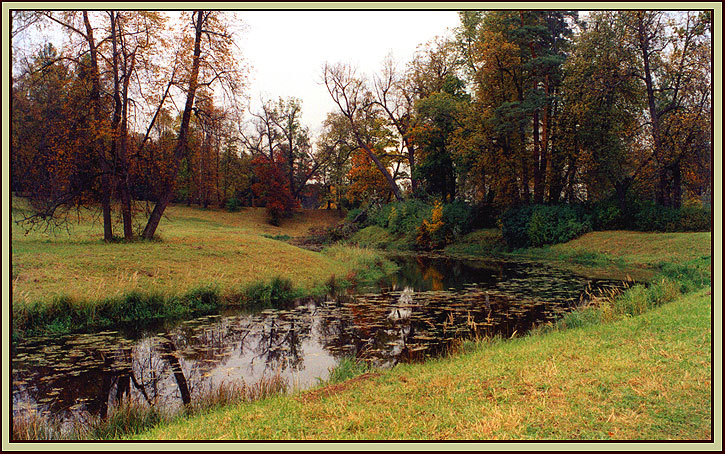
<point x="428" y="305"/>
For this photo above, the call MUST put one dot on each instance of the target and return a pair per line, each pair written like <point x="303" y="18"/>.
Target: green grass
<point x="63" y="280"/>
<point x="607" y="254"/>
<point x="372" y="236"/>
<point x="479" y="242"/>
<point x="641" y="377"/>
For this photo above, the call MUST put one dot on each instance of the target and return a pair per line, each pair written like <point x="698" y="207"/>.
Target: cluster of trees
<point x="123" y="113"/>
<point x="515" y="108"/>
<point x="532" y="107"/>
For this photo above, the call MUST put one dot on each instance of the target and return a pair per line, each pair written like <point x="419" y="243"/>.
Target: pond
<point x="421" y="311"/>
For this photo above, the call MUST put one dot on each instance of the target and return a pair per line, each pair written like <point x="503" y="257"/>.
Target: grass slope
<point x="198" y="248"/>
<point x="205" y="259"/>
<point x="609" y="254"/>
<point x="639" y="378"/>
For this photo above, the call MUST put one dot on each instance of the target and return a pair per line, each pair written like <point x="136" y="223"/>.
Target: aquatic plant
<point x="347" y="368"/>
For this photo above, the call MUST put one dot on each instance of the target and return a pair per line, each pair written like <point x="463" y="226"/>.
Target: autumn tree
<point x="53" y="154"/>
<point x="275" y="130"/>
<point x="272" y="188"/>
<point x="206" y="60"/>
<point x="355" y="102"/>
<point x="515" y="58"/>
<point x="672" y="62"/>
<point x="601" y="106"/>
<point x="335" y="147"/>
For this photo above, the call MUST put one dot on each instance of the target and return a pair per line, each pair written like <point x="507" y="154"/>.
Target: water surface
<point x="429" y="304"/>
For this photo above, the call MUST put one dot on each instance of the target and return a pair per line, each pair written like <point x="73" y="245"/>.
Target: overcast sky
<point x="288" y="48"/>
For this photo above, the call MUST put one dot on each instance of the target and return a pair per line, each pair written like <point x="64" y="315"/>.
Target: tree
<point x="276" y="130"/>
<point x="601" y="105"/>
<point x="672" y="63"/>
<point x="355" y="102"/>
<point x="52" y="161"/>
<point x="132" y="36"/>
<point x="335" y="147"/>
<point x="515" y="60"/>
<point x="211" y="62"/>
<point x="271" y="188"/>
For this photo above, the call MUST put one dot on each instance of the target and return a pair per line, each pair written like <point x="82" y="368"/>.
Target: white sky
<point x="287" y="49"/>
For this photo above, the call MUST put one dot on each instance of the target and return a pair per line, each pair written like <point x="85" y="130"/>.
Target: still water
<point x="431" y="302"/>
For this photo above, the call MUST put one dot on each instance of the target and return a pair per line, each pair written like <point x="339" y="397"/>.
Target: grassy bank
<point x="639" y="377"/>
<point x="614" y="253"/>
<point x="204" y="259"/>
<point x="633" y="367"/>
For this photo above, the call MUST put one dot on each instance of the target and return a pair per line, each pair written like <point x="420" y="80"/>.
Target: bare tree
<point x="355" y="102"/>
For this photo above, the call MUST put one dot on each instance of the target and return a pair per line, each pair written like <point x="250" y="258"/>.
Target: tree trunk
<point x="676" y="185"/>
<point x="106" y="207"/>
<point x="620" y="189"/>
<point x="180" y="148"/>
<point x="381" y="167"/>
<point x="661" y="196"/>
<point x="95" y="97"/>
<point x="119" y="142"/>
<point x="538" y="188"/>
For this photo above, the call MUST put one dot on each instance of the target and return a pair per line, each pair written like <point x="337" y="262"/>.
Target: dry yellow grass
<point x="642" y="247"/>
<point x="197" y="248"/>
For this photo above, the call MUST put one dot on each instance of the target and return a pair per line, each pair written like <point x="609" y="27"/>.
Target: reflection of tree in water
<point x="278" y="343"/>
<point x="370" y="327"/>
<point x="430" y="273"/>
<point x="93" y="374"/>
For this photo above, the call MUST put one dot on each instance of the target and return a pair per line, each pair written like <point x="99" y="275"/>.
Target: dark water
<point x="431" y="302"/>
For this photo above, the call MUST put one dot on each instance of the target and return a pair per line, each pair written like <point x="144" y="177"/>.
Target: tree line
<point x="512" y="108"/>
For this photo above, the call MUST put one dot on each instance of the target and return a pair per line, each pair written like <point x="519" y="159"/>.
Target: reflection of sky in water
<point x="85" y="372"/>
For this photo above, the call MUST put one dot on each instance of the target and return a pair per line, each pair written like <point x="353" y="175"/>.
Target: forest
<point x="609" y="113"/>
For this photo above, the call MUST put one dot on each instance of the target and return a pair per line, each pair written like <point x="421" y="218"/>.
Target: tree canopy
<point x="511" y="108"/>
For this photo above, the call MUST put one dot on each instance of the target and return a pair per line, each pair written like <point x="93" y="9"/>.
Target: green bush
<point x="458" y="217"/>
<point x="651" y="217"/>
<point x="538" y="225"/>
<point x="695" y="218"/>
<point x="233" y="204"/>
<point x="352" y="214"/>
<point x="400" y="217"/>
<point x="277" y="292"/>
<point x="606" y="215"/>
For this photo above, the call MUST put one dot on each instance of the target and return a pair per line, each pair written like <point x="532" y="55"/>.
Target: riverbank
<point x="609" y="254"/>
<point x="204" y="260"/>
<point x="641" y="370"/>
<point x="645" y="377"/>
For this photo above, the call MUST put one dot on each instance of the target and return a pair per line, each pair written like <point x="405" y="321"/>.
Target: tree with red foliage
<point x="272" y="187"/>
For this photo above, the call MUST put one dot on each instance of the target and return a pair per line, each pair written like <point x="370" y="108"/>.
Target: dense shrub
<point x="606" y="215"/>
<point x="537" y="225"/>
<point x="400" y="217"/>
<point x="352" y="214"/>
<point x="651" y="217"/>
<point x="646" y="216"/>
<point x="233" y="204"/>
<point x="278" y="291"/>
<point x="458" y="217"/>
<point x="695" y="218"/>
<point x="432" y="234"/>
<point x="421" y="224"/>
